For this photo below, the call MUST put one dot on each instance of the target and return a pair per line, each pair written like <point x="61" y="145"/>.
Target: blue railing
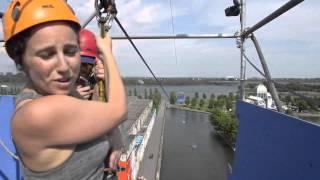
<point x="9" y="167"/>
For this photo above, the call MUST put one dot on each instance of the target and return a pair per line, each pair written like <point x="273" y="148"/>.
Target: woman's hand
<point x="114" y="158"/>
<point x="104" y="44"/>
<point x="99" y="70"/>
<point x="85" y="92"/>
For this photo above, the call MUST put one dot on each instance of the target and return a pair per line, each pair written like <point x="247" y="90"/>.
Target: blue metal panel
<point x="274" y="146"/>
<point x="9" y="168"/>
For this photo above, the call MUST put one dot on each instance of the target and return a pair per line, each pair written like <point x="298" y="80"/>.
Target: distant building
<point x="230" y="78"/>
<point x="263" y="98"/>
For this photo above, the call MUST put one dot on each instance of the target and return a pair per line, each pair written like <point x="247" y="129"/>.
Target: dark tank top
<point x="85" y="163"/>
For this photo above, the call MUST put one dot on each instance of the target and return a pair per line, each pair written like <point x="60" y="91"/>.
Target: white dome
<point x="261" y="89"/>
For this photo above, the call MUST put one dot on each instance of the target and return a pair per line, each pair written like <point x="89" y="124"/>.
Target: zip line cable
<point x="7" y="150"/>
<point x="173" y="33"/>
<point x="142" y="58"/>
<point x="281" y="85"/>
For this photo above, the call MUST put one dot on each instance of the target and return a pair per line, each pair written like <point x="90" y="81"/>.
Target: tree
<point x="212" y="96"/>
<point x="302" y="105"/>
<point x="145" y="94"/>
<point x="156" y="99"/>
<point x="150" y="93"/>
<point x="187" y="101"/>
<point x="196" y="95"/>
<point x="173" y="97"/>
<point x="135" y="93"/>
<point x="201" y="103"/>
<point x="287" y="99"/>
<point x="204" y="96"/>
<point x="194" y="102"/>
<point x="228" y="104"/>
<point x="231" y="96"/>
<point x="211" y="102"/>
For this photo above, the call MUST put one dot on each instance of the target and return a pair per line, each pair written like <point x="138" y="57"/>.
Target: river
<point x="191" y="149"/>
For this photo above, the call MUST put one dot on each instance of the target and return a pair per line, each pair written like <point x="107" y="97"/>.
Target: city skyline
<point x="288" y="42"/>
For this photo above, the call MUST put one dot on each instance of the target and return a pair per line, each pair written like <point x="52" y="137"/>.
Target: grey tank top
<point x="85" y="163"/>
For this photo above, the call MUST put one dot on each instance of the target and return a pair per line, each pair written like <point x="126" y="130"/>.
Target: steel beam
<point x="242" y="49"/>
<point x="270" y="83"/>
<point x="289" y="5"/>
<point x="179" y="36"/>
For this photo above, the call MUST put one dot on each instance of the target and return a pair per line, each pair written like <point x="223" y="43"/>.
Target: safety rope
<point x="142" y="58"/>
<point x="173" y="33"/>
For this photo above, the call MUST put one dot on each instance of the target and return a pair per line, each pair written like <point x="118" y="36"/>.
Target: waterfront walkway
<point x="151" y="162"/>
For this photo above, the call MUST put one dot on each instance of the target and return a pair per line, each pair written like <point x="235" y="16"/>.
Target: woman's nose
<point x="62" y="65"/>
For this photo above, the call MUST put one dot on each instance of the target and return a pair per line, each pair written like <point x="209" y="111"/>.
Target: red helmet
<point x="88" y="45"/>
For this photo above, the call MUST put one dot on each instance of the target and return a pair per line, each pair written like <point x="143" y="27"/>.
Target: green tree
<point x="173" y="97"/>
<point x="212" y="96"/>
<point x="204" y="96"/>
<point x="150" y="93"/>
<point x="194" y="102"/>
<point x="135" y="93"/>
<point x="211" y="103"/>
<point x="287" y="99"/>
<point x="219" y="103"/>
<point x="196" y="95"/>
<point x="201" y="103"/>
<point x="302" y="105"/>
<point x="145" y="94"/>
<point x="187" y="101"/>
<point x="229" y="104"/>
<point x="231" y="96"/>
<point x="156" y="99"/>
<point x="130" y="92"/>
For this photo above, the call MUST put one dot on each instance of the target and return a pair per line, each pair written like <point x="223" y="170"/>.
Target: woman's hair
<point x="16" y="46"/>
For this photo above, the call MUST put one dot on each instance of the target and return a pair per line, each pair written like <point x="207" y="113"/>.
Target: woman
<point x="88" y="54"/>
<point x="57" y="136"/>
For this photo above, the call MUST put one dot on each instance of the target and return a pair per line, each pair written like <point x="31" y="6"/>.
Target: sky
<point x="290" y="43"/>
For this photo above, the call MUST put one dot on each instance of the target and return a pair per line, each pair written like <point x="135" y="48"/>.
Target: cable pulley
<point x="105" y="12"/>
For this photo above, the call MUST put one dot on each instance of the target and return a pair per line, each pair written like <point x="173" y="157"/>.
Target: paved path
<point x="151" y="161"/>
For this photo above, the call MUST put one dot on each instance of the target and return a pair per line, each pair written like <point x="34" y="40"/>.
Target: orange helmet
<point x="23" y="14"/>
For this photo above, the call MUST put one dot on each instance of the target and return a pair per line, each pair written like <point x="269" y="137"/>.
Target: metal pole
<point x="179" y="36"/>
<point x="272" y="16"/>
<point x="242" y="49"/>
<point x="270" y="83"/>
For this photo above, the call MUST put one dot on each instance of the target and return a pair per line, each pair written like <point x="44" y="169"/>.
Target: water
<point x="188" y="90"/>
<point x="191" y="149"/>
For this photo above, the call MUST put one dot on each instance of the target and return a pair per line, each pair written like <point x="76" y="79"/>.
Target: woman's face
<point x="51" y="59"/>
